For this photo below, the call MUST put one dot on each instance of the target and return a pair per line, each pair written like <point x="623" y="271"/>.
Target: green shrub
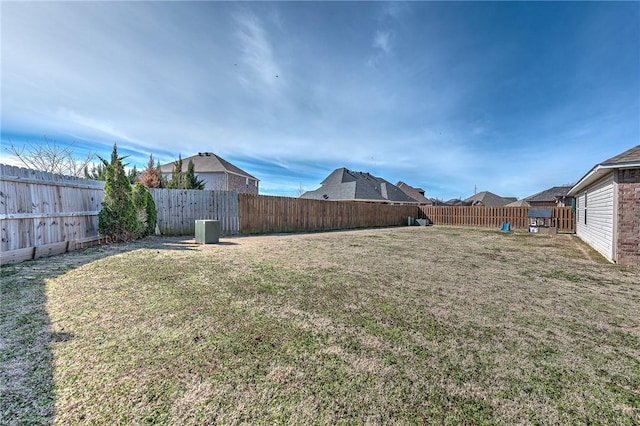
<point x="191" y="179"/>
<point x="146" y="208"/>
<point x="118" y="219"/>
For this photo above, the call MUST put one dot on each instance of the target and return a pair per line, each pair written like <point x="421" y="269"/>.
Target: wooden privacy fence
<point x="43" y="214"/>
<point x="268" y="214"/>
<point x="494" y="217"/>
<point x="178" y="209"/>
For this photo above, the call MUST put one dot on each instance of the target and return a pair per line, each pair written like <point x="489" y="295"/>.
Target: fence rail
<point x="494" y="217"/>
<point x="269" y="214"/>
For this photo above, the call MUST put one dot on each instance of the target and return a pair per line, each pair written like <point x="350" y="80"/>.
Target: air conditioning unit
<point x="207" y="231"/>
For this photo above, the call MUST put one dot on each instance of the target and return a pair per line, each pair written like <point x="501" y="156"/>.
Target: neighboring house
<point x="608" y="207"/>
<point x="217" y="173"/>
<point x="344" y="184"/>
<point x="552" y="197"/>
<point x="455" y="202"/>
<point x="415" y="193"/>
<point x="486" y="198"/>
<point x="519" y="203"/>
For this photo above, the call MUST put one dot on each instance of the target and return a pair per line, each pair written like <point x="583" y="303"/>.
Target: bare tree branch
<point x="300" y="190"/>
<point x="51" y="157"/>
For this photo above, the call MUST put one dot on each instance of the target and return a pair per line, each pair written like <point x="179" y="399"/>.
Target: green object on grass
<point x="207" y="231"/>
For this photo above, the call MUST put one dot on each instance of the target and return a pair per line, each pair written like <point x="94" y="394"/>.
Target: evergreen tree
<point x="118" y="218"/>
<point x="133" y="175"/>
<point x="98" y="172"/>
<point x="146" y="209"/>
<point x="191" y="180"/>
<point x="151" y="177"/>
<point x="163" y="180"/>
<point x="177" y="175"/>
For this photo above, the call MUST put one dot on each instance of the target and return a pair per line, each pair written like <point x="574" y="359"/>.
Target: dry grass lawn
<point x="420" y="325"/>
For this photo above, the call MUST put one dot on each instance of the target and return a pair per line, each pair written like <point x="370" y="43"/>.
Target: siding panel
<point x="596" y="203"/>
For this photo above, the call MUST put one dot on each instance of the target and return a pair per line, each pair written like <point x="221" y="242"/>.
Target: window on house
<point x="246" y="182"/>
<point x="585" y="208"/>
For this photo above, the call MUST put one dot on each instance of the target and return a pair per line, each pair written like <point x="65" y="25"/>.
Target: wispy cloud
<point x="389" y="16"/>
<point x="257" y="51"/>
<point x="92" y="124"/>
<point x="382" y="47"/>
<point x="394" y="9"/>
<point x="382" y="41"/>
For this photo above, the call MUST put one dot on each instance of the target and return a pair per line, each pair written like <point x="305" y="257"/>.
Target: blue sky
<point x="507" y="97"/>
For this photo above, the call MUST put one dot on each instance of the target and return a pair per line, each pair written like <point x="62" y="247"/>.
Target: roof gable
<point x="415" y="193"/>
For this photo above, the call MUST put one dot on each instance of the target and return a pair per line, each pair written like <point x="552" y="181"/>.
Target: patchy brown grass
<point x="436" y="325"/>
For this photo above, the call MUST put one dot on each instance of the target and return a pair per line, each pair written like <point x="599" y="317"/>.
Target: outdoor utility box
<point x="207" y="231"/>
<point x="541" y="220"/>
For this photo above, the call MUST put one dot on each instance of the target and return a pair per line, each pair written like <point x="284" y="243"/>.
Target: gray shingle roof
<point x="415" y="193"/>
<point x="550" y="194"/>
<point x="490" y="199"/>
<point x="629" y="156"/>
<point x="344" y="184"/>
<point x="519" y="203"/>
<point x="207" y="162"/>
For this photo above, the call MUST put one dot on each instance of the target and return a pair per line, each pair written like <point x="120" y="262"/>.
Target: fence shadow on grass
<point x="27" y="393"/>
<point x="27" y="385"/>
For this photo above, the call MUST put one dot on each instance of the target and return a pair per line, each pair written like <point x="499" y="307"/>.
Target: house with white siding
<point x="608" y="207"/>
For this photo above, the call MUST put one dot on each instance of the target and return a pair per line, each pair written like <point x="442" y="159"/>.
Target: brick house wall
<point x="242" y="184"/>
<point x="628" y="229"/>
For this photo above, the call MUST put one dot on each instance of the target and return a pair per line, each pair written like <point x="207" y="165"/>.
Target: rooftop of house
<point x="550" y="194"/>
<point x="627" y="159"/>
<point x="207" y="162"/>
<point x="487" y="198"/>
<point x="454" y="202"/>
<point x="629" y="156"/>
<point x="345" y="184"/>
<point x="415" y="193"/>
<point x="519" y="203"/>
